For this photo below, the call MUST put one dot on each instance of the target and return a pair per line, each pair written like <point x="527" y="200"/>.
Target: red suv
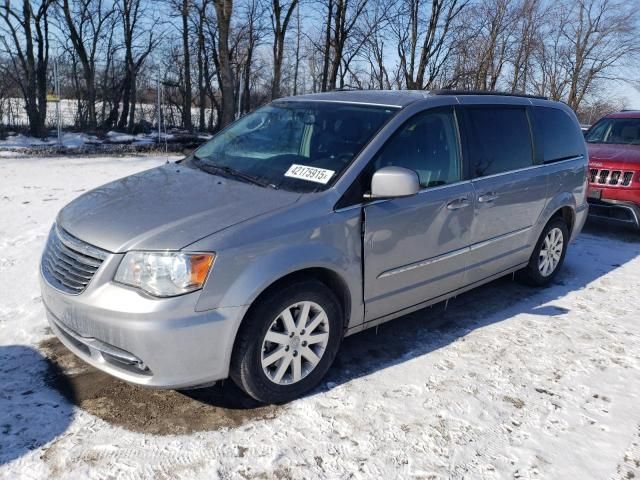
<point x="614" y="167"/>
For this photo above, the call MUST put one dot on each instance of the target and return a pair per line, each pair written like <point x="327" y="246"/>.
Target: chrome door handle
<point x="458" y="203"/>
<point x="487" y="197"/>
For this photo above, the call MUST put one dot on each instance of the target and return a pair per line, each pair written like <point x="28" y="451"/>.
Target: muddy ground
<point x="138" y="409"/>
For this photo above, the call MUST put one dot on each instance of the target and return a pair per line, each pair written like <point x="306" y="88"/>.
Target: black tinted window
<point x="427" y="144"/>
<point x="499" y="139"/>
<point x="558" y="134"/>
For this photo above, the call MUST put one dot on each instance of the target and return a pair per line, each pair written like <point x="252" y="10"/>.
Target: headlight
<point x="165" y="274"/>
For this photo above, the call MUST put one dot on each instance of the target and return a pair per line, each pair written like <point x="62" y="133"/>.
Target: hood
<point x="166" y="208"/>
<point x="614" y="156"/>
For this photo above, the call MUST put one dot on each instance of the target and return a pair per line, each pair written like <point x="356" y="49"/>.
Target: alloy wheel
<point x="551" y="252"/>
<point x="295" y="343"/>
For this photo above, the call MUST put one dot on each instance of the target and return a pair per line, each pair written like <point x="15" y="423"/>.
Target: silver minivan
<point x="314" y="217"/>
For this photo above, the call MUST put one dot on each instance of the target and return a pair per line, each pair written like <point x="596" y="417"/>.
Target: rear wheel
<point x="548" y="256"/>
<point x="288" y="342"/>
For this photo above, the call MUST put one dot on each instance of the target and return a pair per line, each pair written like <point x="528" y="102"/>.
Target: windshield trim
<point x="345" y="102"/>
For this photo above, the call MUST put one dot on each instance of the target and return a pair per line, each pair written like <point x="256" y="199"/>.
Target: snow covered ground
<point x="508" y="382"/>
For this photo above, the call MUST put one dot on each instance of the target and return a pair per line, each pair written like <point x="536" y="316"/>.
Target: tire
<point x="267" y="334"/>
<point x="536" y="273"/>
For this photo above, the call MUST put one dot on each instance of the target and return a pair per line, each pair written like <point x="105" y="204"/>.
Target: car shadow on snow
<point x="31" y="415"/>
<point x="224" y="405"/>
<point x="613" y="230"/>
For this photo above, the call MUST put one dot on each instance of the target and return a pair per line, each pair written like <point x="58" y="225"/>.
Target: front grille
<point x="68" y="263"/>
<point x="602" y="177"/>
<point x="615" y="176"/>
<point x="610" y="177"/>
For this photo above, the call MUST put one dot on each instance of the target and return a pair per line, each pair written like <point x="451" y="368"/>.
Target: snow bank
<point x="68" y="140"/>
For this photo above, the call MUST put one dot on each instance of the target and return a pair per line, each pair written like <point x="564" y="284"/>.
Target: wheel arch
<point x="563" y="205"/>
<point x="330" y="278"/>
<point x="568" y="214"/>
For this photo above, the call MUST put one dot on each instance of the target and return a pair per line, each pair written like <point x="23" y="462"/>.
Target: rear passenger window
<point x="558" y="133"/>
<point x="498" y="139"/>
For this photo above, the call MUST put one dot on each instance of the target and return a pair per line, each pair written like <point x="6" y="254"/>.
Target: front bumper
<point x="162" y="343"/>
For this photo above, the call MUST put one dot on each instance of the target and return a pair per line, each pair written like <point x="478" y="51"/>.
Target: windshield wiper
<point x="232" y="172"/>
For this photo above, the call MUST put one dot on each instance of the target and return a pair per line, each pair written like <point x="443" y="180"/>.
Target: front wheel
<point x="548" y="255"/>
<point x="288" y="342"/>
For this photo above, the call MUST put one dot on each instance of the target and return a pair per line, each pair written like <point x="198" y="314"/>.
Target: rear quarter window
<point x="558" y="134"/>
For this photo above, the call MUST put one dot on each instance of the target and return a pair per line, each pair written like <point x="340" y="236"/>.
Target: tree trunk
<point x="297" y="65"/>
<point x="186" y="98"/>
<point x="132" y="103"/>
<point x="224" y="9"/>
<point x="327" y="47"/>
<point x="28" y="54"/>
<point x="280" y="26"/>
<point x="126" y="97"/>
<point x="202" y="94"/>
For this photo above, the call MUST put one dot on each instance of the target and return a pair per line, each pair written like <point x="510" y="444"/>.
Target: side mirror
<point x="393" y="182"/>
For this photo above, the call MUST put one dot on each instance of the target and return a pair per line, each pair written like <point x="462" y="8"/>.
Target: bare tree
<point x="250" y="35"/>
<point x="86" y="21"/>
<point x="183" y="7"/>
<point x="326" y="51"/>
<point x="530" y="16"/>
<point x="599" y="35"/>
<point x="200" y="32"/>
<point x="110" y="82"/>
<point x="424" y="51"/>
<point x="296" y="68"/>
<point x="345" y="19"/>
<point x="550" y="77"/>
<point x="374" y="33"/>
<point x="280" y="24"/>
<point x="139" y="42"/>
<point x="217" y="52"/>
<point x="498" y="25"/>
<point x="224" y="9"/>
<point x="25" y="40"/>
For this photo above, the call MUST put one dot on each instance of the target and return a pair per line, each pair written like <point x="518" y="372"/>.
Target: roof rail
<point x="346" y="88"/>
<point x="485" y="92"/>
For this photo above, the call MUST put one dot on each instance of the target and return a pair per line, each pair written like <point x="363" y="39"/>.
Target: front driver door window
<point x="427" y="144"/>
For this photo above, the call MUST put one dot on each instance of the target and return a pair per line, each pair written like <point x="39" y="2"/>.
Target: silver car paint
<point x="394" y="182"/>
<point x="416" y="251"/>
<point x="186" y="204"/>
<point x="414" y="248"/>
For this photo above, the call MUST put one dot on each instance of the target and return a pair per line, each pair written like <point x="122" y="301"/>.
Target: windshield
<point x="297" y="146"/>
<point x="624" y="131"/>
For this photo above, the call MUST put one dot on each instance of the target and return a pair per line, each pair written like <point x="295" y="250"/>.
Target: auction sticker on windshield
<point x="312" y="174"/>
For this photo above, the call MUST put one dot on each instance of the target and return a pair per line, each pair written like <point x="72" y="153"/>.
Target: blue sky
<point x="623" y="89"/>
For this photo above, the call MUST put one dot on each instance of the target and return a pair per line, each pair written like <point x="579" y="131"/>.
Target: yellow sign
<point x="51" y="97"/>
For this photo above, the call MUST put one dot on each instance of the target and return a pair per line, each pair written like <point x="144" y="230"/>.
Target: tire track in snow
<point x="630" y="465"/>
